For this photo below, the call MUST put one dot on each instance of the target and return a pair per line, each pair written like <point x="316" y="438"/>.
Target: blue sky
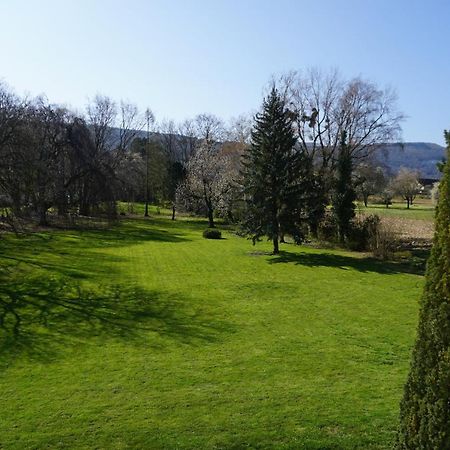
<point x="182" y="58"/>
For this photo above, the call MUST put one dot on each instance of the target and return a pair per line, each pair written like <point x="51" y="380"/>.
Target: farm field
<point x="149" y="336"/>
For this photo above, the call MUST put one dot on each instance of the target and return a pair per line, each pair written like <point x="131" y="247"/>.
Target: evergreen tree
<point x="344" y="195"/>
<point x="275" y="186"/>
<point x="425" y="408"/>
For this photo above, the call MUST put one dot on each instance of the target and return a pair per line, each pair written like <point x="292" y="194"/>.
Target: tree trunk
<point x="210" y="217"/>
<point x="366" y="200"/>
<point x="276" y="250"/>
<point x="341" y="237"/>
<point x="147" y="177"/>
<point x="173" y="212"/>
<point x="62" y="203"/>
<point x="407" y="203"/>
<point x="85" y="209"/>
<point x="16" y="203"/>
<point x="43" y="216"/>
<point x="281" y="234"/>
<point x="313" y="228"/>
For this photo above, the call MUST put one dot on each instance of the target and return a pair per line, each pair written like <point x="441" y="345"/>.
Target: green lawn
<point x="149" y="336"/>
<point x="421" y="209"/>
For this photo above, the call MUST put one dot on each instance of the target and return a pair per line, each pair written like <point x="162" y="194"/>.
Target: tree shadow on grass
<point x="80" y="254"/>
<point x="345" y="262"/>
<point x="136" y="232"/>
<point x="122" y="235"/>
<point x="40" y="316"/>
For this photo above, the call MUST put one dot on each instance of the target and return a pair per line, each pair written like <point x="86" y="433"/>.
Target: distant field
<point x="422" y="209"/>
<point x="149" y="336"/>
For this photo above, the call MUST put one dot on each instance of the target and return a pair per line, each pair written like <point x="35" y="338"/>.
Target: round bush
<point x="212" y="233"/>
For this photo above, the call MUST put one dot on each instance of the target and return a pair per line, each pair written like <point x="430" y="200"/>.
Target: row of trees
<point x="286" y="187"/>
<point x="318" y="109"/>
<point x="372" y="180"/>
<point x="51" y="157"/>
<point x="54" y="159"/>
<point x="284" y="190"/>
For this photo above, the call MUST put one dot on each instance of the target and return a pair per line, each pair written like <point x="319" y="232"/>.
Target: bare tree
<point x="50" y="158"/>
<point x="240" y="129"/>
<point x="102" y="161"/>
<point x="101" y="117"/>
<point x="34" y="157"/>
<point x="131" y="172"/>
<point x="130" y="124"/>
<point x="325" y="105"/>
<point x="150" y="120"/>
<point x="187" y="139"/>
<point x="387" y="195"/>
<point x="169" y="139"/>
<point x="47" y="140"/>
<point x="12" y="113"/>
<point x="369" y="180"/>
<point x="209" y="128"/>
<point x="12" y="109"/>
<point x="406" y="184"/>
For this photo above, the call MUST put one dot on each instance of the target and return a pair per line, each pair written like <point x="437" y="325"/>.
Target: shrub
<point x="365" y="234"/>
<point x="361" y="233"/>
<point x="383" y="242"/>
<point x="327" y="229"/>
<point x="212" y="233"/>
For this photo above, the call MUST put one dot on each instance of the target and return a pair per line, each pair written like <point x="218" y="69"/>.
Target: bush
<point x="362" y="233"/>
<point x="327" y="229"/>
<point x="384" y="243"/>
<point x="212" y="233"/>
<point x="365" y="234"/>
<point x="371" y="234"/>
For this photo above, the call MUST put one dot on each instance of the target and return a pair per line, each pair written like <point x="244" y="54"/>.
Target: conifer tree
<point x="344" y="195"/>
<point x="275" y="185"/>
<point x="425" y="408"/>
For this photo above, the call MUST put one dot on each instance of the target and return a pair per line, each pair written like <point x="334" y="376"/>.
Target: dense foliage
<point x="425" y="408"/>
<point x="344" y="194"/>
<point x="273" y="176"/>
<point x="212" y="233"/>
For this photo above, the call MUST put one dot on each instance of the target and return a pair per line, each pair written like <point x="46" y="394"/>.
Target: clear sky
<point x="182" y="58"/>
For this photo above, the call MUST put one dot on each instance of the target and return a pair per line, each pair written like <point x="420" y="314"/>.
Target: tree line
<point x="53" y="159"/>
<point x="56" y="160"/>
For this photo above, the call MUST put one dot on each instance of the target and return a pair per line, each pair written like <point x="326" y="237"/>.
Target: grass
<point x="422" y="209"/>
<point x="150" y="336"/>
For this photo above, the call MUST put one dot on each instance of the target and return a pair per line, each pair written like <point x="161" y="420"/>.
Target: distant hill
<point x="421" y="156"/>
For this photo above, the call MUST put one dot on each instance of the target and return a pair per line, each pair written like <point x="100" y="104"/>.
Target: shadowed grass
<point x="345" y="262"/>
<point x="41" y="316"/>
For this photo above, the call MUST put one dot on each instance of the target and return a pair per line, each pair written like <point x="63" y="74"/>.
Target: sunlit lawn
<point x="422" y="209"/>
<point x="149" y="336"/>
